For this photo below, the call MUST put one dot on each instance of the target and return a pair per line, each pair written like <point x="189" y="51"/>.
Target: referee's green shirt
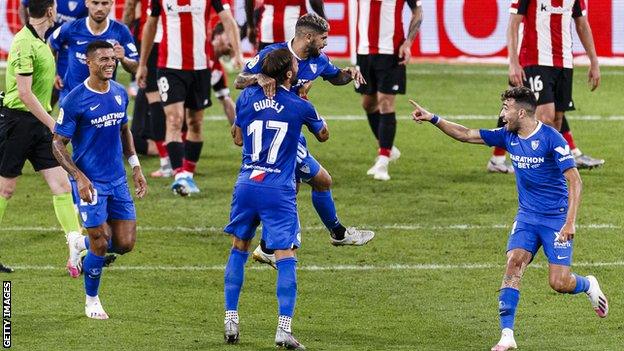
<point x="30" y="55"/>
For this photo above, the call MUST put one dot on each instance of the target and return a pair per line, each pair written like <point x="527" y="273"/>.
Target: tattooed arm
<point x="405" y="51"/>
<point x="59" y="149"/>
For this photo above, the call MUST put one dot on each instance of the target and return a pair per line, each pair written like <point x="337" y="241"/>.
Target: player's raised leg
<point x="562" y="280"/>
<point x="517" y="261"/>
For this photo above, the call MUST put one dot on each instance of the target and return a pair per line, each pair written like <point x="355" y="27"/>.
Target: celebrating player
<point x="268" y="129"/>
<point x="94" y="118"/>
<point x="382" y="54"/>
<point x="78" y="34"/>
<point x="544" y="62"/>
<point x="277" y="20"/>
<point x="184" y="77"/>
<point x="310" y="38"/>
<point x="25" y="121"/>
<point x="547" y="211"/>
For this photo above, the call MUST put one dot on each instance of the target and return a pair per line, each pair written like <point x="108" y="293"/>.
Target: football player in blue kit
<point x="547" y="208"/>
<point x="93" y="118"/>
<point x="310" y="37"/>
<point x="76" y="35"/>
<point x="268" y="131"/>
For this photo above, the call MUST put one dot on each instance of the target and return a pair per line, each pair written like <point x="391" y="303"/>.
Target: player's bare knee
<point x="516" y="262"/>
<point x="240" y="245"/>
<point x="7" y="192"/>
<point x="369" y="104"/>
<point x="559" y="283"/>
<point x="125" y="246"/>
<point x="322" y="181"/>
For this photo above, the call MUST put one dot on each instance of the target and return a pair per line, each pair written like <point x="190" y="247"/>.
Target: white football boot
<point x="94" y="309"/>
<point x="263" y="257"/>
<point x="287" y="340"/>
<point x="507" y="341"/>
<point x="598" y="300"/>
<point x="355" y="237"/>
<point x="73" y="261"/>
<point x="379" y="171"/>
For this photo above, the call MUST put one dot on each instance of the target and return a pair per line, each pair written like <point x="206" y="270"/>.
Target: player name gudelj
<point x="268" y="103"/>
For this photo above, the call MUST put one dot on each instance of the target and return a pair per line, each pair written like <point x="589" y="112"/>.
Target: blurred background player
<point x="544" y="64"/>
<point x="310" y="39"/>
<point x="268" y="129"/>
<point x="78" y="34"/>
<point x="148" y="122"/>
<point x="184" y="78"/>
<point x="547" y="205"/>
<point x="25" y="121"/>
<point x="93" y="118"/>
<point x="66" y="11"/>
<point x="277" y="19"/>
<point x="382" y="54"/>
<point x="220" y="47"/>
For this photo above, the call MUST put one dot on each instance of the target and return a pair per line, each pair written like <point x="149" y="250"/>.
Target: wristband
<point x="435" y="119"/>
<point x="134" y="161"/>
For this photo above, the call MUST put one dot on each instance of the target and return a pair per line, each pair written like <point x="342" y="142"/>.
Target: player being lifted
<point x="547" y="207"/>
<point x="310" y="37"/>
<point x="94" y="118"/>
<point x="268" y="129"/>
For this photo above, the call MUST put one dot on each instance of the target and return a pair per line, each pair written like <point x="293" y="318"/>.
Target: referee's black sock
<point x="176" y="153"/>
<point x="373" y="122"/>
<point x="387" y="130"/>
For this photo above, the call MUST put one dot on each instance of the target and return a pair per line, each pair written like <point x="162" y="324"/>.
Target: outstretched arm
<point x="346" y="75"/>
<point x="140" y="184"/>
<point x="454" y="130"/>
<point x="59" y="149"/>
<point x="245" y="79"/>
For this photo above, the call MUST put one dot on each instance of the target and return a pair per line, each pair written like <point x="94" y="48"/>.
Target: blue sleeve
<point x="494" y="137"/>
<point x="561" y="152"/>
<point x="311" y="119"/>
<point x="127" y="42"/>
<point x="59" y="36"/>
<point x="329" y="71"/>
<point x="25" y="3"/>
<point x="67" y="119"/>
<point x="254" y="66"/>
<point x="240" y="102"/>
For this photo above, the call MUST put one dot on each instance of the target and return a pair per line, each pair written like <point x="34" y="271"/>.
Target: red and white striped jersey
<point x="380" y="26"/>
<point x="186" y="30"/>
<point x="547" y="36"/>
<point x="278" y="19"/>
<point x="146" y="9"/>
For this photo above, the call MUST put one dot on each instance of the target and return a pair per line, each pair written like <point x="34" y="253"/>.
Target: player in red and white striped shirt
<point x="544" y="62"/>
<point x="277" y="20"/>
<point x="382" y="53"/>
<point x="184" y="75"/>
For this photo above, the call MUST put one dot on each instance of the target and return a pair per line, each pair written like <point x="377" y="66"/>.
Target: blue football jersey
<point x="76" y="36"/>
<point x="93" y="121"/>
<point x="271" y="129"/>
<point x="539" y="162"/>
<point x="309" y="69"/>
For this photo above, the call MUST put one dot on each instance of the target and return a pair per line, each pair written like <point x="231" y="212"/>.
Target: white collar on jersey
<point x="539" y="126"/>
<point x="86" y="84"/>
<point x="289" y="43"/>
<point x="283" y="87"/>
<point x="91" y="30"/>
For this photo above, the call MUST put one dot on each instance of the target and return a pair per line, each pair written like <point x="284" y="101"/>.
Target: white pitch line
<point x="397" y="226"/>
<point x="592" y="118"/>
<point x="488" y="72"/>
<point x="316" y="268"/>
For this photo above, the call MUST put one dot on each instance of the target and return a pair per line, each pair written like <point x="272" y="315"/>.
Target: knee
<point x="386" y="104"/>
<point x="194" y="125"/>
<point x="559" y="283"/>
<point x="516" y="262"/>
<point x="369" y="105"/>
<point x="124" y="246"/>
<point x="174" y="122"/>
<point x="322" y="181"/>
<point x="549" y="119"/>
<point x="240" y="245"/>
<point x="7" y="191"/>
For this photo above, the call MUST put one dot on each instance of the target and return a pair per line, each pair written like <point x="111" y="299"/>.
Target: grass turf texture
<point x="437" y="183"/>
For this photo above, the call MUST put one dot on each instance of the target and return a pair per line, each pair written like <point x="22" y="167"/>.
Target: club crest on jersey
<point x="313" y="67"/>
<point x="534" y="144"/>
<point x="118" y="99"/>
<point x="84" y="216"/>
<point x="72" y="5"/>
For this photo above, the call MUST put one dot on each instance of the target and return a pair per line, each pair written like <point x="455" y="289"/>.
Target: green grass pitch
<point x="428" y="281"/>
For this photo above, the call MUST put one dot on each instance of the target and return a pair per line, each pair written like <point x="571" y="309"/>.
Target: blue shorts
<point x="531" y="236"/>
<point x="110" y="201"/>
<point x="307" y="167"/>
<point x="275" y="208"/>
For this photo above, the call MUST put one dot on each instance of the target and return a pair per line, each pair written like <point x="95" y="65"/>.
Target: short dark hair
<point x="98" y="44"/>
<point x="38" y="8"/>
<point x="277" y="63"/>
<point x="311" y="22"/>
<point x="521" y="95"/>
